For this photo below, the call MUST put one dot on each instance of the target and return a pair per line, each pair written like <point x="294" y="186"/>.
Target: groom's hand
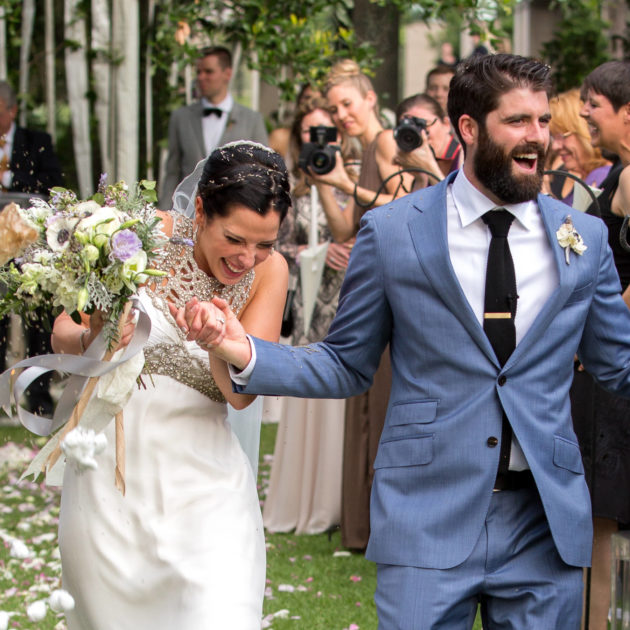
<point x="215" y="328"/>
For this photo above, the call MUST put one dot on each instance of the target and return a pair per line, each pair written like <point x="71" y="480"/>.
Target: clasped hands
<point x="215" y="328"/>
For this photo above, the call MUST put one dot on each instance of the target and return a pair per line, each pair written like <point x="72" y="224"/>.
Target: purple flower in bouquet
<point x="125" y="244"/>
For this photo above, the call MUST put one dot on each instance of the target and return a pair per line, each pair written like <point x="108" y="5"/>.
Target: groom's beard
<point x="493" y="167"/>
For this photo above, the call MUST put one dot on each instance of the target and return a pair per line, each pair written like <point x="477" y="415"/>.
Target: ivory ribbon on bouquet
<point x="84" y="371"/>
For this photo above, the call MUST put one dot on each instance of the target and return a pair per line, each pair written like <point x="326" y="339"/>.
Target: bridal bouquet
<point x="80" y="255"/>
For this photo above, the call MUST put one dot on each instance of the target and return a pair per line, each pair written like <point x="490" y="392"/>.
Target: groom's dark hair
<point x="481" y="80"/>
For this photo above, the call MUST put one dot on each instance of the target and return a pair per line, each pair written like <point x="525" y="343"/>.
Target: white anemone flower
<point x="59" y="231"/>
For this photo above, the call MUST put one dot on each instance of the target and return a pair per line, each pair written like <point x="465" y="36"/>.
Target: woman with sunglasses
<point x="439" y="153"/>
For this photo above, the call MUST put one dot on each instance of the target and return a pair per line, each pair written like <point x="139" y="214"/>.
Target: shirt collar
<point x="226" y="104"/>
<point x="471" y="203"/>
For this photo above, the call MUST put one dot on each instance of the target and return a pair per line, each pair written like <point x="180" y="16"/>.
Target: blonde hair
<point x="345" y="72"/>
<point x="565" y="118"/>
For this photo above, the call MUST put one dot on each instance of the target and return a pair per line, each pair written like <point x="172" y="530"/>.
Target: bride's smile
<point x="228" y="247"/>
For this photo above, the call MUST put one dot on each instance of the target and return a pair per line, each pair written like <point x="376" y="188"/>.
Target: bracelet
<point x="354" y="192"/>
<point x="86" y="331"/>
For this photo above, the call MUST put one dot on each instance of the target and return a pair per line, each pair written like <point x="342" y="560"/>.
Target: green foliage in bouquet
<point x="90" y="255"/>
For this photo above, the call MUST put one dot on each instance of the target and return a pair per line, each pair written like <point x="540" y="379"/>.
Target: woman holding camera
<point x="305" y="485"/>
<point x="352" y="103"/>
<point x="425" y="140"/>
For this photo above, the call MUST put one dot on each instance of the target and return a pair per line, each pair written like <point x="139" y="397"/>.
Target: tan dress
<point x="365" y="416"/>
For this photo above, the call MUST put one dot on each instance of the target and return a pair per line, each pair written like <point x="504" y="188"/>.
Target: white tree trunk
<point x="172" y="84"/>
<point x="49" y="45"/>
<point x="77" y="84"/>
<point x="101" y="72"/>
<point x="148" y="91"/>
<point x="3" y="44"/>
<point x="126" y="76"/>
<point x="28" y="18"/>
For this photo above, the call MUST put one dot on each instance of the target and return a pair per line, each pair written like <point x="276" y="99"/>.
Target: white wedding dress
<point x="184" y="548"/>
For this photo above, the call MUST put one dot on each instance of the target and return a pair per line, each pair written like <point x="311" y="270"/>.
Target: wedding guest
<point x="447" y="55"/>
<point x="184" y="547"/>
<point x="28" y="164"/>
<point x="353" y="105"/>
<point x="571" y="141"/>
<point x="600" y="416"/>
<point x="440" y="152"/>
<point x="437" y="83"/>
<point x="195" y="130"/>
<point x="304" y="491"/>
<point x="279" y="138"/>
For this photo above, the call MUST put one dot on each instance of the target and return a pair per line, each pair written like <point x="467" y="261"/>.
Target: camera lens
<point x="407" y="135"/>
<point x="408" y="139"/>
<point x="320" y="162"/>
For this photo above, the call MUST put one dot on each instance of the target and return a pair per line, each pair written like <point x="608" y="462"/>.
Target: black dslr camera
<point x="407" y="133"/>
<point x="317" y="154"/>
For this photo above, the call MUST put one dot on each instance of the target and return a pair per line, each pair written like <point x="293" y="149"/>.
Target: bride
<point x="184" y="548"/>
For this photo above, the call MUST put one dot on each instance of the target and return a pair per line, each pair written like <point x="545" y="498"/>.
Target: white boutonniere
<point x="569" y="239"/>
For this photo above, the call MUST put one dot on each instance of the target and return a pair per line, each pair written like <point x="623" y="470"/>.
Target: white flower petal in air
<point x="61" y="601"/>
<point x="4" y="620"/>
<point x="36" y="611"/>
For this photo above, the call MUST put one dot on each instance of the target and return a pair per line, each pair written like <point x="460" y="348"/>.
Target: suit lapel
<point x="197" y="127"/>
<point x="567" y="278"/>
<point x="429" y="236"/>
<point x="232" y="125"/>
<point x="19" y="146"/>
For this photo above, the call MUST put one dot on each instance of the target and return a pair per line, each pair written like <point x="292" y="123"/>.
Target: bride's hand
<point x="215" y="328"/>
<point x="97" y="321"/>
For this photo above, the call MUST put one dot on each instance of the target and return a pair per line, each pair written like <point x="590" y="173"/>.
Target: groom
<point x="479" y="494"/>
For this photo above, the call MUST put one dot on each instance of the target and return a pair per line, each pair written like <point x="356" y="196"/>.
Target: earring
<point x="195" y="232"/>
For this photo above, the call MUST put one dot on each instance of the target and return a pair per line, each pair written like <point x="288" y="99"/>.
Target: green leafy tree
<point x="579" y="42"/>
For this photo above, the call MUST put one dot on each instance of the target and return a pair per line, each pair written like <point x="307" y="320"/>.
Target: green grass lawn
<point x="309" y="584"/>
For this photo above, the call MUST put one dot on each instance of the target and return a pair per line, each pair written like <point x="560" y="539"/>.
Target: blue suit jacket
<point x="434" y="471"/>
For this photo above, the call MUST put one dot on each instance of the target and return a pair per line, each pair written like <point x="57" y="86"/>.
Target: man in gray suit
<point x="194" y="131"/>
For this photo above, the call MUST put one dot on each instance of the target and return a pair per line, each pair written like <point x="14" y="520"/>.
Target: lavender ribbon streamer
<point x="79" y="367"/>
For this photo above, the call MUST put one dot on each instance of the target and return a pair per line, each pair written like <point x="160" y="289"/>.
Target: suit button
<point x="502" y="380"/>
<point x="492" y="441"/>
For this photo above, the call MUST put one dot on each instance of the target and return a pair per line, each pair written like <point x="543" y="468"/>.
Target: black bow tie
<point x="212" y="111"/>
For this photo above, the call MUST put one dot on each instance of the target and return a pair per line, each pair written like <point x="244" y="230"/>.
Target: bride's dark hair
<point x="245" y="173"/>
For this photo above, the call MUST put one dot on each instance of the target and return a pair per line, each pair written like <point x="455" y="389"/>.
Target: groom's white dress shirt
<point x="214" y="126"/>
<point x="468" y="243"/>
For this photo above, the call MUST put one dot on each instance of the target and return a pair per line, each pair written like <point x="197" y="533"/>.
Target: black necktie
<point x="212" y="111"/>
<point x="500" y="305"/>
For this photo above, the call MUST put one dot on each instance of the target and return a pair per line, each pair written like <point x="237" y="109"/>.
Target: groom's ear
<point x="469" y="129"/>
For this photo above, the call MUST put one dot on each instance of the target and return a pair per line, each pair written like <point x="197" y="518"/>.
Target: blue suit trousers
<point x="514" y="574"/>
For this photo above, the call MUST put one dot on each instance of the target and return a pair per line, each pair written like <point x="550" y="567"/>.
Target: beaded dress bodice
<point x="167" y="352"/>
